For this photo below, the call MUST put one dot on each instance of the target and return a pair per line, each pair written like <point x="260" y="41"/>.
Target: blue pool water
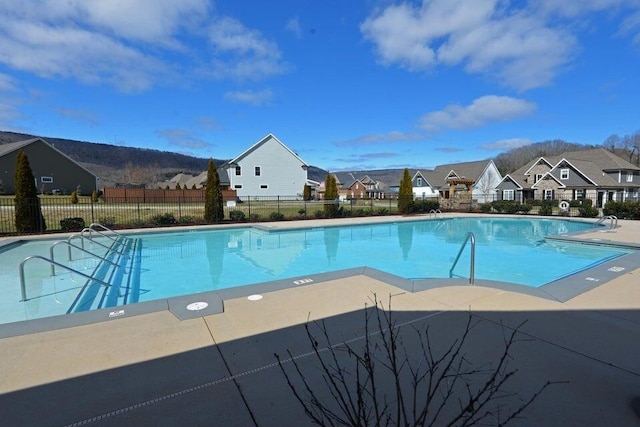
<point x="161" y="265"/>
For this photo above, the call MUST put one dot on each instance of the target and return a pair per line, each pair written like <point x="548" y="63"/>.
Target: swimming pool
<point x="155" y="266"/>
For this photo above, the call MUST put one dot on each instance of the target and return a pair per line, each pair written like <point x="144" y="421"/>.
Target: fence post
<point x="179" y="210"/>
<point x="138" y="203"/>
<point x="92" y="216"/>
<point x="249" y="201"/>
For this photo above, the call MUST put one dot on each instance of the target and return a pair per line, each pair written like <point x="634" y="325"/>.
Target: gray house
<point x="52" y="169"/>
<point x="267" y="168"/>
<point x="595" y="174"/>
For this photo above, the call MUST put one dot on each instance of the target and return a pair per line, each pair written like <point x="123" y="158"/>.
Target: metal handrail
<point x="82" y="236"/>
<point x="91" y="230"/>
<point x="23" y="289"/>
<point x="472" y="266"/>
<point x="435" y="212"/>
<point x="612" y="218"/>
<point x="71" y="245"/>
<point x="97" y="224"/>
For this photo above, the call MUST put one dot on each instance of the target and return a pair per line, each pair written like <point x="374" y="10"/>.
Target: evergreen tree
<point x="405" y="196"/>
<point x="330" y="196"/>
<point x="213" y="209"/>
<point x="28" y="213"/>
<point x="306" y="192"/>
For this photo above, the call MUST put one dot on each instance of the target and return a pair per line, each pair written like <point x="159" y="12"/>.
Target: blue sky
<point x="345" y="84"/>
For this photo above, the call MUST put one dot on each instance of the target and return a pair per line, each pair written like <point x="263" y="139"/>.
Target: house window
<point x="629" y="176"/>
<point x="564" y="173"/>
<point x="508" y="195"/>
<point x="46" y="179"/>
<point x="238" y="186"/>
<point x="537" y="178"/>
<point x="419" y="182"/>
<point x="257" y="171"/>
<point x="548" y="194"/>
<point x="238" y="171"/>
<point x="264" y="186"/>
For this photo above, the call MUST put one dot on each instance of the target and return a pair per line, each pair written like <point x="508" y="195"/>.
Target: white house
<point x="267" y="168"/>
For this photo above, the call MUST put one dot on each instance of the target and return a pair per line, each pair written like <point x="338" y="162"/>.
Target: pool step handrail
<point x="91" y="230"/>
<point x="472" y="267"/>
<point x="435" y="212"/>
<point x="23" y="290"/>
<point x="97" y="224"/>
<point x="613" y="224"/>
<point x="83" y="237"/>
<point x="71" y="245"/>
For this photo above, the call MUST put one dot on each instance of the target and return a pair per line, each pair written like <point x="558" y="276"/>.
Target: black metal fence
<point x="61" y="214"/>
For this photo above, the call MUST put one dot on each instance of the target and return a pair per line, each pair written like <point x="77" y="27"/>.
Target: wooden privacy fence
<point x="147" y="195"/>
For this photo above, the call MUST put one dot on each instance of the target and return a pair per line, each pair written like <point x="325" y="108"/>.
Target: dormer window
<point x="419" y="182"/>
<point x="537" y="178"/>
<point x="564" y="173"/>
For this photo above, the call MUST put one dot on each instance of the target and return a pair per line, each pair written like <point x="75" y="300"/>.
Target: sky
<point x="347" y="85"/>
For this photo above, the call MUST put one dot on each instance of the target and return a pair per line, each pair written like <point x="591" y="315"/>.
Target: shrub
<point x="623" y="210"/>
<point x="524" y="208"/>
<point x="276" y="216"/>
<point x="163" y="219"/>
<point x="107" y="221"/>
<point x="302" y="212"/>
<point x="425" y="206"/>
<point x="213" y="208"/>
<point x="574" y="203"/>
<point x="546" y="208"/>
<point x="361" y="212"/>
<point x="587" y="210"/>
<point x="74" y="198"/>
<point x="254" y="217"/>
<point x="237" y="216"/>
<point x="187" y="219"/>
<point x="485" y="207"/>
<point x="382" y="211"/>
<point x="318" y="214"/>
<point x="72" y="224"/>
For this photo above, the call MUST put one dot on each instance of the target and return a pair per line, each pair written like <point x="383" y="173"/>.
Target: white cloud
<point x="246" y="53"/>
<point x="483" y="110"/>
<point x="184" y="138"/>
<point x="482" y="35"/>
<point x="293" y="25"/>
<point x="255" y="98"/>
<point x="79" y="115"/>
<point x="375" y="138"/>
<point x="507" y="144"/>
<point x="130" y="44"/>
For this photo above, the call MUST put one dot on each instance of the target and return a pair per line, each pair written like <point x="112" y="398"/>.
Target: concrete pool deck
<point x="154" y="369"/>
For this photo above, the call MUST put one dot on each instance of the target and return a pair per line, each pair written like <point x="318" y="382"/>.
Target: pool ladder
<point x="613" y="224"/>
<point x="472" y="265"/>
<point x="54" y="263"/>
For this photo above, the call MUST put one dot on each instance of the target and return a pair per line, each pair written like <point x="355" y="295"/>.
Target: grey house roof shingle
<point x="592" y="163"/>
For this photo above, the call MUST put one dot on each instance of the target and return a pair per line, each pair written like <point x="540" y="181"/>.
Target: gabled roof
<point x="471" y="170"/>
<point x="564" y="161"/>
<point x="14" y="146"/>
<point x="604" y="158"/>
<point x="415" y="175"/>
<point x="537" y="162"/>
<point x="257" y="145"/>
<point x="508" y="177"/>
<point x="548" y="176"/>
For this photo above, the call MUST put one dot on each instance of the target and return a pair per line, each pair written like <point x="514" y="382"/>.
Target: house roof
<point x="591" y="163"/>
<point x="472" y="170"/>
<point x="14" y="146"/>
<point x="256" y="146"/>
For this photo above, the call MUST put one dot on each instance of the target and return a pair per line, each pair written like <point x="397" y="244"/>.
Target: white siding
<point x="280" y="171"/>
<point x="484" y="189"/>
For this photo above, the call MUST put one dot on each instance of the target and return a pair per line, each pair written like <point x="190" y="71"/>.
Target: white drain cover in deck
<point x="197" y="306"/>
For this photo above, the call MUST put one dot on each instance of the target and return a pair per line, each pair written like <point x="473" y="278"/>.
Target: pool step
<point x="121" y="278"/>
